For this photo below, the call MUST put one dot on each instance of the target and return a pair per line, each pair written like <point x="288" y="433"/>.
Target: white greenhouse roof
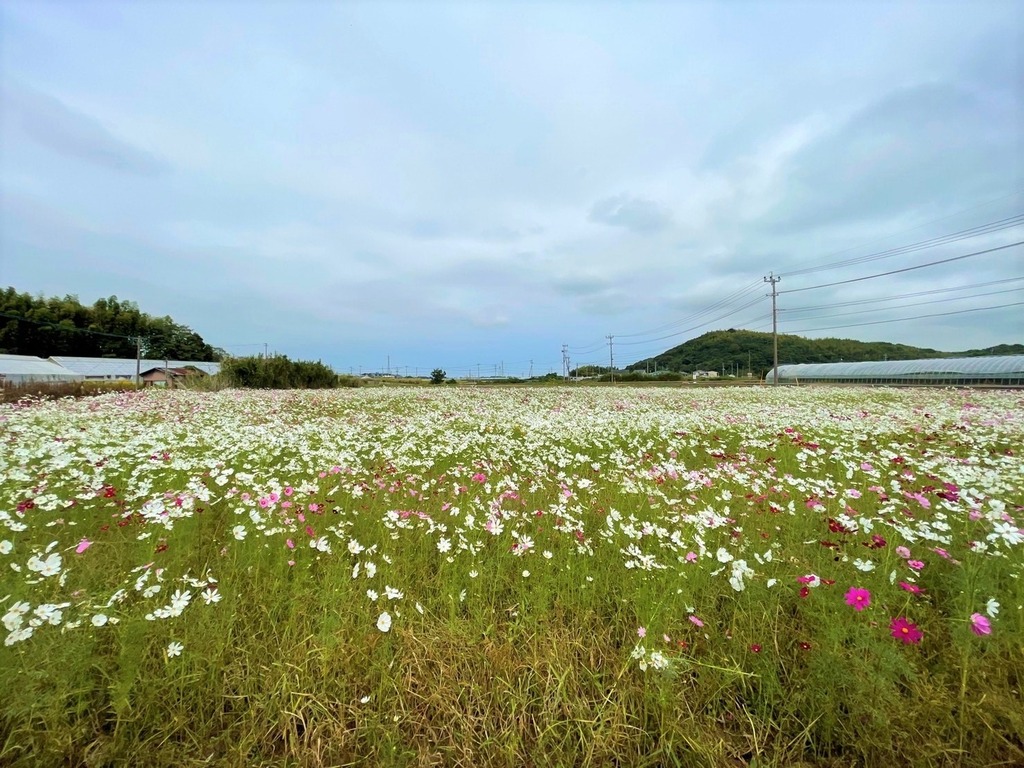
<point x="110" y="367"/>
<point x="35" y="367"/>
<point x="995" y="367"/>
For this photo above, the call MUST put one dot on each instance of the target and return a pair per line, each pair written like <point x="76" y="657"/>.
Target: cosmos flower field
<point x="520" y="576"/>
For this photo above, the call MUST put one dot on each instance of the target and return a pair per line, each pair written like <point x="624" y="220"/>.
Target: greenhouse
<point x="994" y="371"/>
<point x="24" y="369"/>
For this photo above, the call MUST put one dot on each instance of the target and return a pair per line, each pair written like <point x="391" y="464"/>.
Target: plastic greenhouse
<point x="24" y="369"/>
<point x="1003" y="370"/>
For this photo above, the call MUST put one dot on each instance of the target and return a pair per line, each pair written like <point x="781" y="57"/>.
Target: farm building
<point x="170" y="377"/>
<point x="124" y="369"/>
<point x="25" y="369"/>
<point x="1003" y="370"/>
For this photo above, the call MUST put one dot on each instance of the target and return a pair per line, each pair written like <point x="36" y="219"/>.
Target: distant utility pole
<point x="565" y="361"/>
<point x="611" y="358"/>
<point x="138" y="360"/>
<point x="265" y="354"/>
<point x="775" y="328"/>
<point x="531" y="370"/>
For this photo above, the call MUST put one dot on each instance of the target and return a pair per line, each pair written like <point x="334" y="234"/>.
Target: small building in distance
<point x="25" y="369"/>
<point x="170" y="377"/>
<point x="991" y="371"/>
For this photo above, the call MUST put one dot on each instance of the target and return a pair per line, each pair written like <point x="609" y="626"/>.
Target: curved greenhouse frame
<point x="995" y="371"/>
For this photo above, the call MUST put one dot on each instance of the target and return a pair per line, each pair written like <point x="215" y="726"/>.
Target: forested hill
<point x="733" y="349"/>
<point x="33" y="325"/>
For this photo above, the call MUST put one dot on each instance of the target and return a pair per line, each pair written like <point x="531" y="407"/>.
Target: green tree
<point x="437" y="376"/>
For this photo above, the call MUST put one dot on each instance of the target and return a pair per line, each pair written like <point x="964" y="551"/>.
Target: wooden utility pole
<point x="775" y="329"/>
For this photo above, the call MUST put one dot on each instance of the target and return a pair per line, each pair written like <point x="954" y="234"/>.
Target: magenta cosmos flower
<point x="906" y="631"/>
<point x="859" y="598"/>
<point x="980" y="625"/>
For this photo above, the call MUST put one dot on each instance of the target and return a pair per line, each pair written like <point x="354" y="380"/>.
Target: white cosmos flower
<point x="384" y="622"/>
<point x="18" y="635"/>
<point x="5" y="547"/>
<point x="99" y="619"/>
<point x="174" y="649"/>
<point x="864" y="565"/>
<point x="992" y="607"/>
<point x="239" y="532"/>
<point x="49" y="567"/>
<point x="211" y="596"/>
<point x="443" y="545"/>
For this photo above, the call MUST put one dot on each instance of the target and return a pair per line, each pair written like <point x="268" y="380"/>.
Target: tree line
<point x="44" y="327"/>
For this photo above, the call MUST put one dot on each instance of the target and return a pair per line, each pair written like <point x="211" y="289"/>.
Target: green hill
<point x="734" y="350"/>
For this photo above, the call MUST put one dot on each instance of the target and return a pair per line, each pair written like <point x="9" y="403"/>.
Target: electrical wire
<point x="905" y="269"/>
<point x="906" y="319"/>
<point x="965" y="234"/>
<point x="855" y="302"/>
<point x="914" y="304"/>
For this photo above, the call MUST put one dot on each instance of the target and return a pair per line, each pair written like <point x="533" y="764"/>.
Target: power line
<point x="964" y="234"/>
<point x="72" y="329"/>
<point x="695" y="327"/>
<point x="904" y="295"/>
<point x="735" y="296"/>
<point x="905" y="319"/>
<point x="905" y="269"/>
<point x="1000" y="199"/>
<point x="914" y="304"/>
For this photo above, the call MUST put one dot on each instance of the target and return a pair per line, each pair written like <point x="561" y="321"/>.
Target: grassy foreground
<point x="439" y="576"/>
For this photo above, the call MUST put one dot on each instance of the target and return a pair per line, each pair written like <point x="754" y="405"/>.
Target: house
<point x="25" y="369"/>
<point x="169" y="377"/>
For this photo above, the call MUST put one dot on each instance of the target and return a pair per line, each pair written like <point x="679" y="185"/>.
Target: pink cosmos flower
<point x="912" y="588"/>
<point x="641" y="631"/>
<point x="83" y="545"/>
<point x="696" y="621"/>
<point x="479" y="477"/>
<point x="906" y="631"/>
<point x="903" y="552"/>
<point x="980" y="625"/>
<point x="691" y="557"/>
<point x="859" y="598"/>
<point x="917" y="565"/>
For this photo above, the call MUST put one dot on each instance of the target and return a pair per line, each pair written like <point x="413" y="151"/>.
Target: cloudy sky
<point x="473" y="185"/>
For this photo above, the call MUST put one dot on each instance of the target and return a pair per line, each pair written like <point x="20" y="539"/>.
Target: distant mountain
<point x="734" y="351"/>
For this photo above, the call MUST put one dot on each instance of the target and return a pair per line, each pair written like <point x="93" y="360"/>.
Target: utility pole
<point x="775" y="328"/>
<point x="611" y="358"/>
<point x="265" y="354"/>
<point x="531" y="370"/>
<point x="138" y="360"/>
<point x="565" y="361"/>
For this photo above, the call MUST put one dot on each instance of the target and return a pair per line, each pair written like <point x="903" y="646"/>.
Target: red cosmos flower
<point x="906" y="631"/>
<point x="756" y="647"/>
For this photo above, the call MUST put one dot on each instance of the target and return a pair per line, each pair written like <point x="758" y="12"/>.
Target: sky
<point x="471" y="186"/>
